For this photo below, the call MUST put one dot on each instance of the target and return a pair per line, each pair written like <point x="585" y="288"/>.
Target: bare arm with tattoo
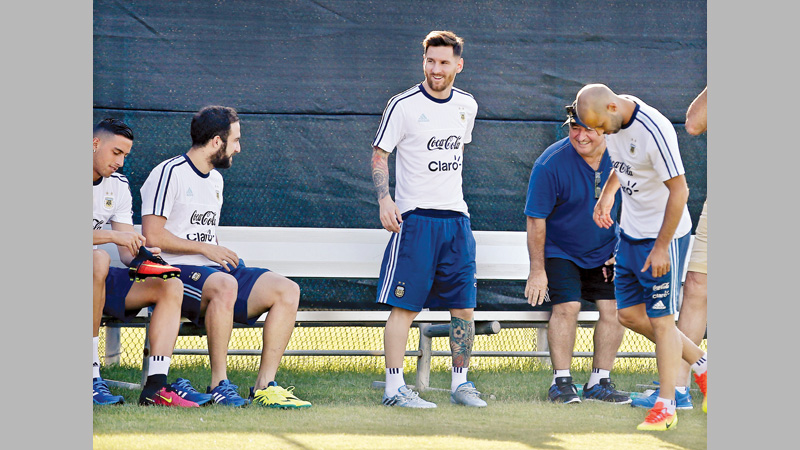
<point x="389" y="212"/>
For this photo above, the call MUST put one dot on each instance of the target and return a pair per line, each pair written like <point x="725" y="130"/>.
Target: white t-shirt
<point x="189" y="199"/>
<point x="645" y="154"/>
<point x="429" y="135"/>
<point x="112" y="201"/>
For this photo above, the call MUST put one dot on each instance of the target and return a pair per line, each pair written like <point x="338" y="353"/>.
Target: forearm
<point x="611" y="187"/>
<point x="537" y="231"/>
<point x="100" y="237"/>
<point x="170" y="243"/>
<point x="380" y="172"/>
<point x="696" y="115"/>
<point x="678" y="195"/>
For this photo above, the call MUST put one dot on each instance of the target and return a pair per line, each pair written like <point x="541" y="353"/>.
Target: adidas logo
<point x="189" y="193"/>
<point x="659" y="305"/>
<point x="423" y="118"/>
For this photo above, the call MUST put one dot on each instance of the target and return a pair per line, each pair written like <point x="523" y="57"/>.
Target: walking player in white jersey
<point x="430" y="259"/>
<point x="655" y="230"/>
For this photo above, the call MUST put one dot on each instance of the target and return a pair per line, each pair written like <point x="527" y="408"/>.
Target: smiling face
<point x="587" y="143"/>
<point x="440" y="66"/>
<point x="109" y="152"/>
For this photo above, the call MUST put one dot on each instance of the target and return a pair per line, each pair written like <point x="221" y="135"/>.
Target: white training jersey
<point x="429" y="135"/>
<point x="644" y="154"/>
<point x="189" y="199"/>
<point x="112" y="201"/>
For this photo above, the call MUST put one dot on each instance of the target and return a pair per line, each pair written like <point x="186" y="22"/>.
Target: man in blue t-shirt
<point x="572" y="258"/>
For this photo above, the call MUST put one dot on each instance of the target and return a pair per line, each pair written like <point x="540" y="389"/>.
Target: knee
<point x="628" y="320"/>
<point x="172" y="291"/>
<point x="222" y="291"/>
<point x="289" y="294"/>
<point x="101" y="261"/>
<point x="566" y="311"/>
<point x="695" y="285"/>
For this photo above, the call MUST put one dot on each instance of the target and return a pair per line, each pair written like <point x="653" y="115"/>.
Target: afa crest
<point x="633" y="147"/>
<point x="399" y="291"/>
<point x="195" y="276"/>
<point x="108" y="201"/>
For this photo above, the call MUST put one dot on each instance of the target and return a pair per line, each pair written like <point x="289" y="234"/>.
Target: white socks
<point x="394" y="380"/>
<point x="95" y="358"/>
<point x="158" y="365"/>
<point x="559" y="374"/>
<point x="701" y="365"/>
<point x="459" y="377"/>
<point x="596" y="376"/>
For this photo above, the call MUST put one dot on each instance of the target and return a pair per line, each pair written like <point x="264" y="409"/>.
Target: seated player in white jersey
<point x="430" y="259"/>
<point x="114" y="289"/>
<point x="655" y="230"/>
<point x="181" y="204"/>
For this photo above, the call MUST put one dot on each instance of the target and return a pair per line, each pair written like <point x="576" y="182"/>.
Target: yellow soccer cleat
<point x="659" y="419"/>
<point x="274" y="396"/>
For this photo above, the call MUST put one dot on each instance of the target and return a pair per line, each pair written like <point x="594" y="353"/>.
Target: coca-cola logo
<point x="448" y="143"/>
<point x="206" y="218"/>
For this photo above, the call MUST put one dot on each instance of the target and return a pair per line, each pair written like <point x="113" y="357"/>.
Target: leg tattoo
<point x="462" y="334"/>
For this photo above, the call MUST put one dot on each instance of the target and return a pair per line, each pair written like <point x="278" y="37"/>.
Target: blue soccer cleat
<point x="227" y="394"/>
<point x="101" y="395"/>
<point x="682" y="401"/>
<point x="184" y="388"/>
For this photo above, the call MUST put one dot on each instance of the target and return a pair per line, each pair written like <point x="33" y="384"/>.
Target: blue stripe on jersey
<point x="663" y="141"/>
<point x="463" y="92"/>
<point x="392" y="102"/>
<point x="161" y="179"/>
<point x="121" y="177"/>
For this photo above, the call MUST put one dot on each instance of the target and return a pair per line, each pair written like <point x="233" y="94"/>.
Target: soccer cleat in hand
<point x="147" y="265"/>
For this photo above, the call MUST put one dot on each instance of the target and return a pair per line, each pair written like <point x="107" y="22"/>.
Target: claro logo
<point x="442" y="166"/>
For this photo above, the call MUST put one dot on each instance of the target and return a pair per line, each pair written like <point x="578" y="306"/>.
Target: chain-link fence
<point x="371" y="338"/>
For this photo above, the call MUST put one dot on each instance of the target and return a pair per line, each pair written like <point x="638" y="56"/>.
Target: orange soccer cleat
<point x="147" y="265"/>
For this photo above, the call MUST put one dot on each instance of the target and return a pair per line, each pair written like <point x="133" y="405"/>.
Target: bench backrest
<point x="352" y="252"/>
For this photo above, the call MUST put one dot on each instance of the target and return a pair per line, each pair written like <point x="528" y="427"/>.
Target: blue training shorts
<point x="632" y="287"/>
<point x="568" y="282"/>
<point x="118" y="284"/>
<point x="194" y="277"/>
<point x="430" y="263"/>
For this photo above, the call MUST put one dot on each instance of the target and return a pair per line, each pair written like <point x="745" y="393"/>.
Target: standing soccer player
<point x="429" y="261"/>
<point x="114" y="292"/>
<point x="655" y="231"/>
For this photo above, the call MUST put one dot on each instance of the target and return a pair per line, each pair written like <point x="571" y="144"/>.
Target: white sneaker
<point x="467" y="395"/>
<point x="406" y="398"/>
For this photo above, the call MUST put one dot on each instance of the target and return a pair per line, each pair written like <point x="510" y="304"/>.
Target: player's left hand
<point x="608" y="270"/>
<point x="658" y="259"/>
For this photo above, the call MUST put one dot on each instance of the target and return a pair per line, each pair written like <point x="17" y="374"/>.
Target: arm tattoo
<point x="380" y="173"/>
<point x="462" y="335"/>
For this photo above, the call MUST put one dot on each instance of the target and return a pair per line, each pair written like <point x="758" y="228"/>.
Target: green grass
<point x="347" y="415"/>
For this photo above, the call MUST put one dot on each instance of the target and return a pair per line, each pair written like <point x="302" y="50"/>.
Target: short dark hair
<point x="212" y="121"/>
<point x="444" y="39"/>
<point x="113" y="126"/>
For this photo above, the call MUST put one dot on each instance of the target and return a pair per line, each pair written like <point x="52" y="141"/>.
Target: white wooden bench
<point x="348" y="253"/>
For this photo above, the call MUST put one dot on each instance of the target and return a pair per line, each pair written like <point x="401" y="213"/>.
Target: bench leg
<point x="146" y="353"/>
<point x="113" y="346"/>
<point x="542" y="345"/>
<point x="424" y="359"/>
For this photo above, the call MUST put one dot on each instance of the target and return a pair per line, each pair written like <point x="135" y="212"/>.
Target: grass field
<point x="347" y="415"/>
